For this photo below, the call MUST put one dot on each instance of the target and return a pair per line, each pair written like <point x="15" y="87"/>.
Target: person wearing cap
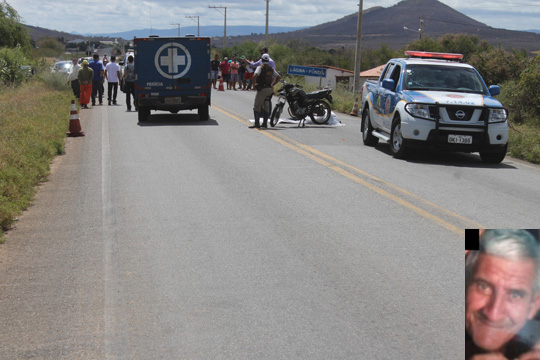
<point x="264" y="79"/>
<point x="85" y="76"/>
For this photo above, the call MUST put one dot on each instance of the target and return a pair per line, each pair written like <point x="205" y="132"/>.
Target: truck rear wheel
<point x="367" y="129"/>
<point x="203" y="113"/>
<point x="144" y="113"/>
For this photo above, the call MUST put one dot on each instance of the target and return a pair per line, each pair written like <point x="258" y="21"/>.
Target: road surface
<point x="182" y="239"/>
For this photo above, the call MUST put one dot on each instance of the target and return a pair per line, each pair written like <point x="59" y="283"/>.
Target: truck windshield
<point x="443" y="78"/>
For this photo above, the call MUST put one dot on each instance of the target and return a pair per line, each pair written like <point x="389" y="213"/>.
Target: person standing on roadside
<point x="214" y="67"/>
<point x="224" y="66"/>
<point x="97" y="81"/>
<point x="112" y="73"/>
<point x="85" y="76"/>
<point x="270" y="62"/>
<point x="264" y="79"/>
<point x="73" y="79"/>
<point x="242" y="73"/>
<point x="249" y="74"/>
<point x="129" y="86"/>
<point x="234" y="72"/>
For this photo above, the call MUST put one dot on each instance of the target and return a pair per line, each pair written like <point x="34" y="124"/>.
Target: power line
<point x="225" y="26"/>
<point x="195" y="16"/>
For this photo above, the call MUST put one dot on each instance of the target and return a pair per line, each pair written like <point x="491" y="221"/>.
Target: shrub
<point x="11" y="62"/>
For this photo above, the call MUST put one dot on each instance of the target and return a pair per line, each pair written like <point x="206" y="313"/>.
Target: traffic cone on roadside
<point x="74" y="123"/>
<point x="354" y="111"/>
<point x="220" y="88"/>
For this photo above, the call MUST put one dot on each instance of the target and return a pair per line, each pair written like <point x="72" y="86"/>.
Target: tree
<point x="12" y="32"/>
<point x="50" y="47"/>
<point x="497" y="65"/>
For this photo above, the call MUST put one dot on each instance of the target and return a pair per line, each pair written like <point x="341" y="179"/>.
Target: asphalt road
<point x="182" y="239"/>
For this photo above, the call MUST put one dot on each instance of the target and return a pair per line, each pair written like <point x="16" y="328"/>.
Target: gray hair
<point x="507" y="244"/>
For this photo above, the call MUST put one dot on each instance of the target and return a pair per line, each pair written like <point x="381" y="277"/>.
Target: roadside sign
<point x="306" y="71"/>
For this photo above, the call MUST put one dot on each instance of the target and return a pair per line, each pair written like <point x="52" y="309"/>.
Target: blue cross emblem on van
<point x="172" y="60"/>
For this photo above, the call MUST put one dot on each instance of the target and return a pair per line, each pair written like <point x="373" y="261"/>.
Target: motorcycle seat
<point x="318" y="94"/>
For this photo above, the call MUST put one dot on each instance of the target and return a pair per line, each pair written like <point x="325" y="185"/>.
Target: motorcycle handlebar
<point x="286" y="83"/>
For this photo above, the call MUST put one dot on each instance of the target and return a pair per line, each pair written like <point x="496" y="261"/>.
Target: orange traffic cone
<point x="74" y="123"/>
<point x="220" y="88"/>
<point x="354" y="111"/>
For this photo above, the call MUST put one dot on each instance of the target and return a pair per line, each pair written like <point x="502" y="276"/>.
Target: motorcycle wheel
<point x="276" y="114"/>
<point x="320" y="112"/>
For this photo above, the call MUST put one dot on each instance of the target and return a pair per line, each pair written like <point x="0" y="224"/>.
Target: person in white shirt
<point x="255" y="64"/>
<point x="112" y="74"/>
<point x="73" y="79"/>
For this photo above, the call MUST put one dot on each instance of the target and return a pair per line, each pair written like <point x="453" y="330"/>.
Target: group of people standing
<point x="260" y="75"/>
<point x="87" y="81"/>
<point x="236" y="71"/>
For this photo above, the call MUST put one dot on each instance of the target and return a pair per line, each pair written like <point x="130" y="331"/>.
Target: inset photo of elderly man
<point x="502" y="298"/>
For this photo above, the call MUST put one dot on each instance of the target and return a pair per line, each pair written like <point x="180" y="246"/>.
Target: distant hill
<point x="211" y="31"/>
<point x="386" y="26"/>
<point x="379" y="26"/>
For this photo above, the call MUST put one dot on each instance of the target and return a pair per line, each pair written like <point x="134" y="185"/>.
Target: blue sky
<point x="102" y="16"/>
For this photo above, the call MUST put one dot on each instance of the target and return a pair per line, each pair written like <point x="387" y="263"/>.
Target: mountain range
<point x="379" y="26"/>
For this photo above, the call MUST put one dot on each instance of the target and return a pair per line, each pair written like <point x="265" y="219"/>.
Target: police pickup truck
<point x="431" y="100"/>
<point x="172" y="74"/>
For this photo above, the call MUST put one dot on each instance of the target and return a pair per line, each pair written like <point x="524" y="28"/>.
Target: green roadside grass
<point x="525" y="142"/>
<point x="33" y="121"/>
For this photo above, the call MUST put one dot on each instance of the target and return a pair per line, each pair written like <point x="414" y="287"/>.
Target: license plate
<point x="173" y="100"/>
<point x="460" y="139"/>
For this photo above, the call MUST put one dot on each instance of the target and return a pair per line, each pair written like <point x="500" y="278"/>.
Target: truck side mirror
<point x="494" y="90"/>
<point x="389" y="84"/>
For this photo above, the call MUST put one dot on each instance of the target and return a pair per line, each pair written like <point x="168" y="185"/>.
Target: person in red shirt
<point x="225" y="67"/>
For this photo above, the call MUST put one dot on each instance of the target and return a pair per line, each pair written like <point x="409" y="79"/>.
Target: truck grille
<point x="460" y="113"/>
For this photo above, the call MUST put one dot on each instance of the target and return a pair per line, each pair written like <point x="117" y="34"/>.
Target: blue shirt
<point x="97" y="66"/>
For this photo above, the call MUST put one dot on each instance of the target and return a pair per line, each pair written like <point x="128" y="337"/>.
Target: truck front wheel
<point x="144" y="113"/>
<point x="494" y="157"/>
<point x="397" y="147"/>
<point x="203" y="113"/>
<point x="367" y="129"/>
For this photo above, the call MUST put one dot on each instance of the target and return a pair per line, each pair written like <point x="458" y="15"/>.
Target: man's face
<point x="499" y="300"/>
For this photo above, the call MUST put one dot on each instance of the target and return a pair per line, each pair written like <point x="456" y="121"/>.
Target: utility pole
<point x="266" y="35"/>
<point x="225" y="27"/>
<point x="178" y="27"/>
<point x="357" y="62"/>
<point x="421" y="30"/>
<point x="195" y="16"/>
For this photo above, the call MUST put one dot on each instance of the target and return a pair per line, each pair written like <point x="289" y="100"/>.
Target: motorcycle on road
<point x="302" y="104"/>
